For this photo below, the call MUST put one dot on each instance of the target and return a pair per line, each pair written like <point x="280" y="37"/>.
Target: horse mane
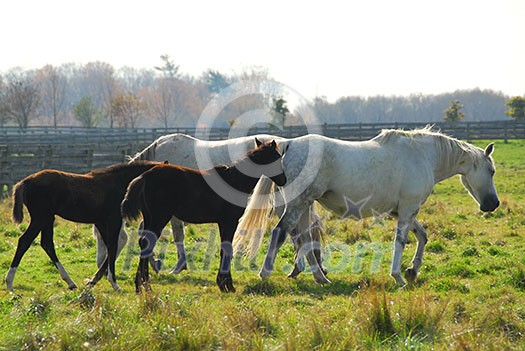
<point x="449" y="149"/>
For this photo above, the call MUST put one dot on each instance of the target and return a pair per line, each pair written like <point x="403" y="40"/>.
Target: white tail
<point x="252" y="225"/>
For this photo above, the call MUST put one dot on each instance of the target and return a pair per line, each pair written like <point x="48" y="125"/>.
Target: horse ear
<point x="274" y="144"/>
<point x="489" y="149"/>
<point x="257" y="142"/>
<point x="166" y="162"/>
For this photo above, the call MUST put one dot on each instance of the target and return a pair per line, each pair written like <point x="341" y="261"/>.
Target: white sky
<point x="323" y="48"/>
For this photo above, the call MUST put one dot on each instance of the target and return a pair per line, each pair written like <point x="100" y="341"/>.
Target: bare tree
<point x="4" y="118"/>
<point x="102" y="85"/>
<point x="20" y="97"/>
<point x="126" y="108"/>
<point x="162" y="101"/>
<point x="132" y="80"/>
<point x="53" y="84"/>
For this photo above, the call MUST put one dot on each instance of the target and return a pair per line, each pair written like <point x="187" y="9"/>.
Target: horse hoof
<point x="293" y="274"/>
<point x="178" y="268"/>
<point x="72" y="287"/>
<point x="264" y="274"/>
<point x="323" y="281"/>
<point x="399" y="279"/>
<point x="410" y="275"/>
<point x="227" y="288"/>
<point x="225" y="283"/>
<point x="157" y="265"/>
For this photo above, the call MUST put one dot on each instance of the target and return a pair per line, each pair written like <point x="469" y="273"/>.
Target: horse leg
<point x="286" y="224"/>
<point x="112" y="243"/>
<point x="422" y="238"/>
<point x="224" y="277"/>
<point x="299" y="264"/>
<point x="122" y="239"/>
<point x="148" y="238"/>
<point x="24" y="242"/>
<point x="155" y="264"/>
<point x="404" y="224"/>
<point x="46" y="241"/>
<point x="110" y="235"/>
<point x="102" y="268"/>
<point x="101" y="247"/>
<point x="301" y="235"/>
<point x="177" y="227"/>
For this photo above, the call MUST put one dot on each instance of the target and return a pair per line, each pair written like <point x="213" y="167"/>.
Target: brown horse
<point x="93" y="197"/>
<point x="218" y="195"/>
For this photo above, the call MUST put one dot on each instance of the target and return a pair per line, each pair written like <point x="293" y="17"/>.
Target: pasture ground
<point x="470" y="294"/>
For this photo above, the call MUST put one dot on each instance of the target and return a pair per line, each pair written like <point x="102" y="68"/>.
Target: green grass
<point x="470" y="294"/>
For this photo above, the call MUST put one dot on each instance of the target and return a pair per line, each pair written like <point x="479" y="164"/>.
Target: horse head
<point x="478" y="179"/>
<point x="267" y="155"/>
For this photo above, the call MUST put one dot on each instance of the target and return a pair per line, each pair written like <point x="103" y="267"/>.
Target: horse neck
<point x="446" y="155"/>
<point x="233" y="176"/>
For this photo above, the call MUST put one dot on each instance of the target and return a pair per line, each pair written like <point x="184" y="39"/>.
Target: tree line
<point x="97" y="94"/>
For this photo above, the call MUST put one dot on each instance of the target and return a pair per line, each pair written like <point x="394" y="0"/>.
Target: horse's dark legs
<point x="276" y="241"/>
<point x="46" y="241"/>
<point x="23" y="244"/>
<point x="148" y="238"/>
<point x="110" y="235"/>
<point x="101" y="247"/>
<point x="147" y="243"/>
<point x="224" y="277"/>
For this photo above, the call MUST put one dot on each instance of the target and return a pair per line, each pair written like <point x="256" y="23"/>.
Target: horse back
<point x="184" y="193"/>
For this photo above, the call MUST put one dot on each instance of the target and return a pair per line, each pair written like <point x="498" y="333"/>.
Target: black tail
<point x="18" y="202"/>
<point x="131" y="205"/>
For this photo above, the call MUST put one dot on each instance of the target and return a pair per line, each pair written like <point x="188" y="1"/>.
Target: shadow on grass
<point x="174" y="279"/>
<point x="338" y="287"/>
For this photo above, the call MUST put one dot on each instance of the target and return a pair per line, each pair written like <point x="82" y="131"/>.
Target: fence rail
<point x="25" y="151"/>
<point x="509" y="129"/>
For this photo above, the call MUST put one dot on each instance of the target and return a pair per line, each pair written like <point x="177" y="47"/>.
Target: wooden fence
<point x="19" y="160"/>
<point x="25" y="151"/>
<point x="509" y="129"/>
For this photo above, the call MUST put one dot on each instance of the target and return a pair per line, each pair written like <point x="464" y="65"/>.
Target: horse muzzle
<point x="489" y="204"/>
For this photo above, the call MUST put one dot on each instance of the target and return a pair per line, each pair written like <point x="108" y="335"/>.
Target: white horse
<point x="183" y="150"/>
<point x="394" y="172"/>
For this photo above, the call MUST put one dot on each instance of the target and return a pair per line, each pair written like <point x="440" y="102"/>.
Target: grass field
<point x="470" y="294"/>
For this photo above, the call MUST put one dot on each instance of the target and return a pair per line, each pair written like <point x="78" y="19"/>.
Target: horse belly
<point x="80" y="214"/>
<point x="358" y="204"/>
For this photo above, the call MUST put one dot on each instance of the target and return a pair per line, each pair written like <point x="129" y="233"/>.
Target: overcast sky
<point x="318" y="48"/>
